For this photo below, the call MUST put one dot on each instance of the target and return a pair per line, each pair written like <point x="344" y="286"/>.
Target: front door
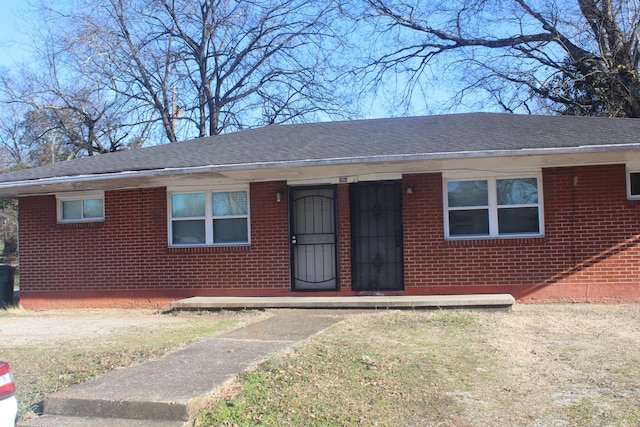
<point x="313" y="239"/>
<point x="377" y="236"/>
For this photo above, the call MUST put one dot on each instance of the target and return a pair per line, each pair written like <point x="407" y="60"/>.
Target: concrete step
<point x="59" y="404"/>
<point x="414" y="302"/>
<point x="65" y="421"/>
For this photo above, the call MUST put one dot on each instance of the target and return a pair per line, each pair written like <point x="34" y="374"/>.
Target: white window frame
<point x="208" y="217"/>
<point x="78" y="196"/>
<point x="492" y="206"/>
<point x="629" y="195"/>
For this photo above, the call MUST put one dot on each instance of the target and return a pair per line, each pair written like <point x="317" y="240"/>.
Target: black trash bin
<point x="7" y="273"/>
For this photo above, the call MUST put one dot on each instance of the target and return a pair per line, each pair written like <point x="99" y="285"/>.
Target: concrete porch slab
<point x="485" y="301"/>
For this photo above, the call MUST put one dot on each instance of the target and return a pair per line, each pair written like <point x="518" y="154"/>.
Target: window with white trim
<point x="209" y="218"/>
<point x="80" y="207"/>
<point x="493" y="207"/>
<point x="633" y="185"/>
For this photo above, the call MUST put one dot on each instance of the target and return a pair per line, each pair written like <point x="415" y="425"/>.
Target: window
<point x="633" y="185"/>
<point x="207" y="218"/>
<point x="81" y="207"/>
<point x="493" y="207"/>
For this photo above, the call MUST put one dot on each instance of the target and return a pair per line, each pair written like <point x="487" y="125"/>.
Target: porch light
<point x="278" y="196"/>
<point x="409" y="189"/>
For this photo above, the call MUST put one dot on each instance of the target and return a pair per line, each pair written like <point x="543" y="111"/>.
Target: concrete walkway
<point x="170" y="390"/>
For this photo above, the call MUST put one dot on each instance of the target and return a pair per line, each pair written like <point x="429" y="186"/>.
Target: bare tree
<point x="12" y="153"/>
<point x="114" y="74"/>
<point x="569" y="56"/>
<point x="62" y="108"/>
<point x="202" y="67"/>
<point x="8" y="228"/>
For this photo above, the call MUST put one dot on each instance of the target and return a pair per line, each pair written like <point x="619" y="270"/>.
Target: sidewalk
<point x="169" y="391"/>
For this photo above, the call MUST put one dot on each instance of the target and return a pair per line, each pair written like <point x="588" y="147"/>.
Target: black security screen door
<point x="313" y="239"/>
<point x="377" y="236"/>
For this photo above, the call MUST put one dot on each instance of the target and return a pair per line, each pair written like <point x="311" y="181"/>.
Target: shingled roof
<point x="426" y="137"/>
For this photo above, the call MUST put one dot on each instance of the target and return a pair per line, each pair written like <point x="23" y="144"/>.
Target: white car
<point x="8" y="402"/>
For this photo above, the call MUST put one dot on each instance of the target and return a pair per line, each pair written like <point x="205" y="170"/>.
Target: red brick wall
<point x="344" y="237"/>
<point x="590" y="250"/>
<point x="125" y="259"/>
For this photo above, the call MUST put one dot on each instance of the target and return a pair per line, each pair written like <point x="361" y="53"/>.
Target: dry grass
<point x="54" y="349"/>
<point x="539" y="365"/>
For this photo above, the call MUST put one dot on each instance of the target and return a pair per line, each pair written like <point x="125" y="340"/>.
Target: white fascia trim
<point x="71" y="179"/>
<point x="346" y="179"/>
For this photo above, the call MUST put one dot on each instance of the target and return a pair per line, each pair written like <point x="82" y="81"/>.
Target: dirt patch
<point x="50" y="350"/>
<point x="20" y="327"/>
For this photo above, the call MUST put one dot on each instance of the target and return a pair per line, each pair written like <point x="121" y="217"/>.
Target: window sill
<point x="495" y="241"/>
<point x="78" y="225"/>
<point x="208" y="249"/>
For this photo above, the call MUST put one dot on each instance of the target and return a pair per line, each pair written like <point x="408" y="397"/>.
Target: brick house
<point x="546" y="208"/>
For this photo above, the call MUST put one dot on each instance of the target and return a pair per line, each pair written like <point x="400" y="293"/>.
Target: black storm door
<point x="377" y="236"/>
<point x="313" y="239"/>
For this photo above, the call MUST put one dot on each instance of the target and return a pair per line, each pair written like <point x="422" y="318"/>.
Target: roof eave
<point x="23" y="186"/>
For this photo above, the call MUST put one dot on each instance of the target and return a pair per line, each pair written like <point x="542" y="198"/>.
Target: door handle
<point x="294" y="240"/>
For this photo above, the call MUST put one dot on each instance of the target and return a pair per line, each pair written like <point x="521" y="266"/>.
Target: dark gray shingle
<point x="443" y="136"/>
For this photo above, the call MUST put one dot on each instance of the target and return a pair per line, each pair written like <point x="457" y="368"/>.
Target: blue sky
<point x="14" y="30"/>
<point x="17" y="30"/>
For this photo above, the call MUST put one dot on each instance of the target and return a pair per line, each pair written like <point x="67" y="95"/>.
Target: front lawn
<point x="539" y="365"/>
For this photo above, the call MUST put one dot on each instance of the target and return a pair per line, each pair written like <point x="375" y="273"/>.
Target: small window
<point x="633" y="185"/>
<point x="209" y="218"/>
<point x="493" y="207"/>
<point x="80" y="207"/>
